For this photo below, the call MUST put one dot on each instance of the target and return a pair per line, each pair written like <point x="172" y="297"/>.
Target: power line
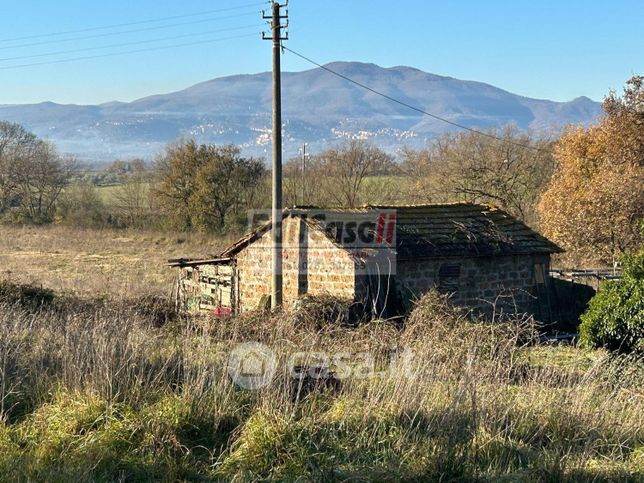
<point x="127" y="24"/>
<point x="402" y="103"/>
<point x="125" y="44"/>
<point x="122" y="32"/>
<point x="112" y="54"/>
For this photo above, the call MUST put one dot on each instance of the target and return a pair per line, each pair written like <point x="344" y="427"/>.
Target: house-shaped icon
<point x="253" y="364"/>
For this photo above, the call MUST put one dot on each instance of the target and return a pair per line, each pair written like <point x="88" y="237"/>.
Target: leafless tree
<point x="341" y="172"/>
<point x="40" y="176"/>
<point x="419" y="170"/>
<point x="478" y="169"/>
<point x="132" y="199"/>
<point x="15" y="143"/>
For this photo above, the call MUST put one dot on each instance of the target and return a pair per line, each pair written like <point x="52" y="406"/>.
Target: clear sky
<point x="539" y="48"/>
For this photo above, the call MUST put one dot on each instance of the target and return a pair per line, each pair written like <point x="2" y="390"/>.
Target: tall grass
<point x="117" y="390"/>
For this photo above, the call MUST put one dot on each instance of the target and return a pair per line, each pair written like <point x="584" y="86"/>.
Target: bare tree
<point x="341" y="172"/>
<point x="419" y="170"/>
<point x="15" y="143"/>
<point x="292" y="183"/>
<point x="478" y="169"/>
<point x="40" y="176"/>
<point x="132" y="200"/>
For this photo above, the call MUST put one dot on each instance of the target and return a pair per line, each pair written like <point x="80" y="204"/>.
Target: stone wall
<point x="517" y="283"/>
<point x="315" y="266"/>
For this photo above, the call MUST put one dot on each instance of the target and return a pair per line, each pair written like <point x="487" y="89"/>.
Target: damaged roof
<point x="435" y="231"/>
<point x="463" y="229"/>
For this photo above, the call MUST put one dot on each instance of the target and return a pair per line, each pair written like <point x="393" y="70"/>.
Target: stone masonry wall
<point x="316" y="266"/>
<point x="478" y="283"/>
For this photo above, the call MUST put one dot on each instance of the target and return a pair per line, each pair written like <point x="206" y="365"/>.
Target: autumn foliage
<point x="594" y="205"/>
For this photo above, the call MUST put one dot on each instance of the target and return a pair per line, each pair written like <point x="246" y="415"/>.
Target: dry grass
<point x="97" y="262"/>
<point x="101" y="392"/>
<point x="101" y="384"/>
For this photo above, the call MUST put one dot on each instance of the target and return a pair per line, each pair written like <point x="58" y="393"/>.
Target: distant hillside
<point x="319" y="109"/>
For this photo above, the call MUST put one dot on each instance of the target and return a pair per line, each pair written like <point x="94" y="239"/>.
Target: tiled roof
<point x="440" y="230"/>
<point x="463" y="229"/>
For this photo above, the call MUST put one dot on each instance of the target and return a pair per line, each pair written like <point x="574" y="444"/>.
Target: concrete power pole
<point x="276" y="213"/>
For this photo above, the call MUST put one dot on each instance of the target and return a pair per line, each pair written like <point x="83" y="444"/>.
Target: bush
<point x="317" y="311"/>
<point x="615" y="316"/>
<point x="25" y="295"/>
<point x="82" y="206"/>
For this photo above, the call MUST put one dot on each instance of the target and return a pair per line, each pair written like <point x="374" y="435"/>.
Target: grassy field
<point x="101" y="262"/>
<point x="109" y="193"/>
<point x="118" y="389"/>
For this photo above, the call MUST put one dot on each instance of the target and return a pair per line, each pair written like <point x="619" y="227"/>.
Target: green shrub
<point x="615" y="316"/>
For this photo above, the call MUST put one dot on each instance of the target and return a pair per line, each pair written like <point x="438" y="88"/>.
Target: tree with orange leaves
<point x="594" y="204"/>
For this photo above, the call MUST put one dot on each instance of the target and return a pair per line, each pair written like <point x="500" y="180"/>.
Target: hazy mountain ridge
<point x="318" y="108"/>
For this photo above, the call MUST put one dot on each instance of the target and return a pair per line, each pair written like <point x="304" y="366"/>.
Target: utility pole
<point x="303" y="173"/>
<point x="276" y="214"/>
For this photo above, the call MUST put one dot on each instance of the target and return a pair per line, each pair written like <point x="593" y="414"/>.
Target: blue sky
<point x="545" y="49"/>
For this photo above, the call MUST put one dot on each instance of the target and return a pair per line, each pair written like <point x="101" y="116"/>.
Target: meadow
<point x="101" y="380"/>
<point x="101" y="262"/>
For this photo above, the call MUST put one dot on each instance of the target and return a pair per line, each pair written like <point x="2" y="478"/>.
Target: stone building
<point x="382" y="258"/>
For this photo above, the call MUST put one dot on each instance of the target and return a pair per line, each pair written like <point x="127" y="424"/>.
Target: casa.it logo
<point x="252" y="365"/>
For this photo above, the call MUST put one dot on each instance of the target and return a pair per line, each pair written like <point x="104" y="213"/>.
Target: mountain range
<point x="318" y="108"/>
